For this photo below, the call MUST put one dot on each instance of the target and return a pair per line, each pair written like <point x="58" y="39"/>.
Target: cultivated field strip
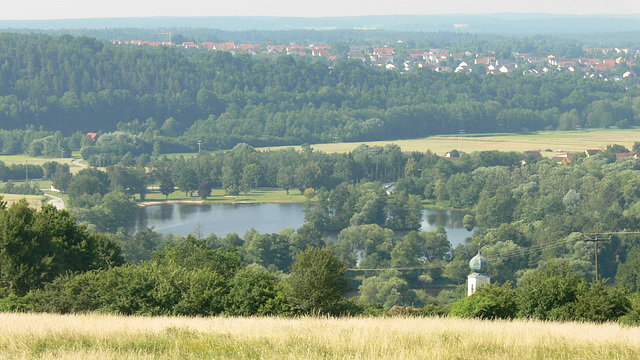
<point x="556" y="141"/>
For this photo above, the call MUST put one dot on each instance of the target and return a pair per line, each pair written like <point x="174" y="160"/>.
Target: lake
<point x="222" y="219"/>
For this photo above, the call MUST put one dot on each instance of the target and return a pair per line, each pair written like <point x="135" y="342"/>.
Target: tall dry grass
<point x="35" y="336"/>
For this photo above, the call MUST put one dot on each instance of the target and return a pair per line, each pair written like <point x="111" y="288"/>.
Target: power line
<point x="596" y="238"/>
<point x="399" y="269"/>
<point x="506" y="255"/>
<point x="529" y="250"/>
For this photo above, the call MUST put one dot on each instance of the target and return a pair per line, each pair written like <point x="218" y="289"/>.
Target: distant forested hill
<point x="500" y="23"/>
<point x="80" y="83"/>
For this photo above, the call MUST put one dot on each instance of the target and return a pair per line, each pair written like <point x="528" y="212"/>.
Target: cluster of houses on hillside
<point x="611" y="63"/>
<point x="565" y="159"/>
<point x="561" y="159"/>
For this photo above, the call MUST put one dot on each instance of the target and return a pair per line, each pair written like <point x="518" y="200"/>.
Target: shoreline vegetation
<point x="92" y="336"/>
<point x="145" y="203"/>
<point x="248" y="199"/>
<point x="218" y="196"/>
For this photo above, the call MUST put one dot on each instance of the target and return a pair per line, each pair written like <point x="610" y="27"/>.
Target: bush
<point x="232" y="191"/>
<point x="148" y="289"/>
<point x="599" y="303"/>
<point x="15" y="303"/>
<point x="633" y="316"/>
<point x="317" y="283"/>
<point x="547" y="292"/>
<point x="255" y="291"/>
<point x="489" y="302"/>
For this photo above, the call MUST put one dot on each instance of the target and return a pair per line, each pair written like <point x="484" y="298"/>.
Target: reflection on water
<point x="450" y="220"/>
<point x="219" y="219"/>
<point x="223" y="219"/>
<point x="186" y="211"/>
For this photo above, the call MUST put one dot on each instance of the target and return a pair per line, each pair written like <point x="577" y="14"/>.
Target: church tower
<point x="479" y="266"/>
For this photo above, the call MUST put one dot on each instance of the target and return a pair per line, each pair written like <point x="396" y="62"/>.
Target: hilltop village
<point x="612" y="64"/>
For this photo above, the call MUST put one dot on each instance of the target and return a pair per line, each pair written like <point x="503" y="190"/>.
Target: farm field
<point x="34" y="201"/>
<point x="43" y="336"/>
<point x="557" y="141"/>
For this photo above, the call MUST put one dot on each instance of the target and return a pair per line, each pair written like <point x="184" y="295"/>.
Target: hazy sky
<point x="71" y="9"/>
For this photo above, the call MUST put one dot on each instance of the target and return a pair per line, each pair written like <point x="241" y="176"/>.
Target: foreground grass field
<point x="565" y="141"/>
<point x="36" y="336"/>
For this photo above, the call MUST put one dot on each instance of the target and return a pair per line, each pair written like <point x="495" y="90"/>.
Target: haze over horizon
<point x="76" y="9"/>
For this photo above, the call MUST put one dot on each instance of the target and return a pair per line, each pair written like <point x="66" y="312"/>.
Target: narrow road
<point x="78" y="163"/>
<point x="56" y="201"/>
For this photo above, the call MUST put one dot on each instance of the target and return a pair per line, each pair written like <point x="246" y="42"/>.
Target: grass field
<point x="260" y="195"/>
<point x="564" y="141"/>
<point x="20" y="159"/>
<point x="42" y="336"/>
<point x="35" y="201"/>
<point x="24" y="159"/>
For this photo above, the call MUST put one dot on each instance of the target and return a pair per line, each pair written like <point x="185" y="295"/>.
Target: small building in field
<point x="389" y="187"/>
<point x="630" y="154"/>
<point x="563" y="159"/>
<point x="533" y="153"/>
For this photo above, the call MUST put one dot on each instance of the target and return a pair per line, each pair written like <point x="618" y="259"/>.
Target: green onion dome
<point x="479" y="263"/>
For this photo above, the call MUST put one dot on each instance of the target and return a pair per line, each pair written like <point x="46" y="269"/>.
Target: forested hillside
<point x="77" y="83"/>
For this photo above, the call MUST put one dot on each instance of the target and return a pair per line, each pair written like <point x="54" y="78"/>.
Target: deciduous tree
<point x="317" y="284"/>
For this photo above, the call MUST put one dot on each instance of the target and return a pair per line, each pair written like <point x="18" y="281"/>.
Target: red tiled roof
<point x="626" y="155"/>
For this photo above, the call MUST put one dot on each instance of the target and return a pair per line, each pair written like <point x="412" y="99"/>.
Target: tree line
<point x="518" y="203"/>
<point x="70" y="270"/>
<point x="528" y="213"/>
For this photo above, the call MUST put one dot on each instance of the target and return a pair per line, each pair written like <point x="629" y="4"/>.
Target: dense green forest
<point x="77" y="83"/>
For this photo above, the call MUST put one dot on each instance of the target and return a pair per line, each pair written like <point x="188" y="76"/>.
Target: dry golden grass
<point x="566" y="141"/>
<point x="35" y="336"/>
<point x="34" y="201"/>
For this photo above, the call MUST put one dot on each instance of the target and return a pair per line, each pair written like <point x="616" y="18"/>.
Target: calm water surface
<point x="223" y="219"/>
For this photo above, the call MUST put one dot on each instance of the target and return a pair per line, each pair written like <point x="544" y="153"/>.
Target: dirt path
<point x="78" y="163"/>
<point x="56" y="201"/>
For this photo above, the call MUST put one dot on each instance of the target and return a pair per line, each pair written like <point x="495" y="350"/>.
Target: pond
<point x="222" y="219"/>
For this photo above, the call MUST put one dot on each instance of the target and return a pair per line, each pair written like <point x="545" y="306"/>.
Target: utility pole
<point x="26" y="169"/>
<point x="199" y="144"/>
<point x="461" y="132"/>
<point x="596" y="238"/>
